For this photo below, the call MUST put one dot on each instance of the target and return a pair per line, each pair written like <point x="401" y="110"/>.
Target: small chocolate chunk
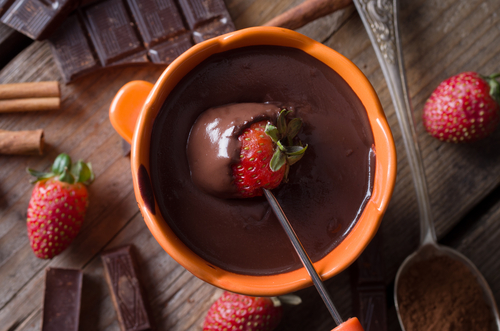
<point x="61" y="303"/>
<point x="36" y="18"/>
<point x="126" y="292"/>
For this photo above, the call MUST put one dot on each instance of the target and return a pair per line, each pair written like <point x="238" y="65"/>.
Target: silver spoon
<point x="380" y="18"/>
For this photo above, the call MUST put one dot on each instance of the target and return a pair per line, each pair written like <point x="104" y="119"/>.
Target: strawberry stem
<point x="285" y="154"/>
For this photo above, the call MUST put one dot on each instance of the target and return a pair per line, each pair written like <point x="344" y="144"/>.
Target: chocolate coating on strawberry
<point x="213" y="144"/>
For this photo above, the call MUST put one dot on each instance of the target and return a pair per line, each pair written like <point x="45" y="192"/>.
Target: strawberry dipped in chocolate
<point x="236" y="150"/>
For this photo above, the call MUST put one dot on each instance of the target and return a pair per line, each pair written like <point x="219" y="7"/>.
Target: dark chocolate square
<point x="200" y="11"/>
<point x="126" y="291"/>
<point x="71" y="49"/>
<point x="112" y="31"/>
<point x="62" y="299"/>
<point x="169" y="50"/>
<point x="157" y="20"/>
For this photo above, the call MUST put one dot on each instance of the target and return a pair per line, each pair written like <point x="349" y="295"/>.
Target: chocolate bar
<point x="61" y="303"/>
<point x="368" y="287"/>
<point x="123" y="32"/>
<point x="126" y="292"/>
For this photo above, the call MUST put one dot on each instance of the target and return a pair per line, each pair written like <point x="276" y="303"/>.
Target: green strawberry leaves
<point x="494" y="86"/>
<point x="288" y="154"/>
<point x="82" y="172"/>
<point x="278" y="160"/>
<point x="64" y="171"/>
<point x="61" y="163"/>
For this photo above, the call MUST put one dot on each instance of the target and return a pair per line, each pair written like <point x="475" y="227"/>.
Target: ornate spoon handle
<point x="380" y="18"/>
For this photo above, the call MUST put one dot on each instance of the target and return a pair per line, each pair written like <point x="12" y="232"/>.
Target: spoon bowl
<point x="432" y="250"/>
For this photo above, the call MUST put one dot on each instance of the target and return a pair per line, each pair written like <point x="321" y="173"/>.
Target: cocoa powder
<point x="442" y="294"/>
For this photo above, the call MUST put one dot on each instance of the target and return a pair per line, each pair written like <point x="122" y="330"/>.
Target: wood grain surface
<point x="440" y="39"/>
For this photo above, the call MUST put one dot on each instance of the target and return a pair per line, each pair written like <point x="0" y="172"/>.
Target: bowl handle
<point x="126" y="107"/>
<point x="352" y="324"/>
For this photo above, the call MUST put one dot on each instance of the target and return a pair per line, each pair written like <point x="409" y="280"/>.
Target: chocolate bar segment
<point x="214" y="28"/>
<point x="126" y="292"/>
<point x="201" y="11"/>
<point x="61" y="303"/>
<point x="157" y="20"/>
<point x="112" y="32"/>
<point x="36" y="18"/>
<point x="72" y="51"/>
<point x="170" y="49"/>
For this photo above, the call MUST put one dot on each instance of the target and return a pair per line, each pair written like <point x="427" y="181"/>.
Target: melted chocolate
<point x="327" y="190"/>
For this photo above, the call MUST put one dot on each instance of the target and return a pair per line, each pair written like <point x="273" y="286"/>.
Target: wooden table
<point x="440" y="39"/>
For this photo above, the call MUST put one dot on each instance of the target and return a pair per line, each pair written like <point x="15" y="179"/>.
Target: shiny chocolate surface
<point x="327" y="189"/>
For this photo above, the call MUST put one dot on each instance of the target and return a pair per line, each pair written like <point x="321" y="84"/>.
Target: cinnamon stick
<point x="21" y="142"/>
<point x="307" y="12"/>
<point x="29" y="90"/>
<point x="33" y="104"/>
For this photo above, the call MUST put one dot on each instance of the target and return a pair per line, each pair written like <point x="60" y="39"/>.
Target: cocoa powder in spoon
<point x="442" y="294"/>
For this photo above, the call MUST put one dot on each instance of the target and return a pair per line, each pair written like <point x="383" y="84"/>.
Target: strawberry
<point x="463" y="108"/>
<point x="240" y="312"/>
<point x="267" y="152"/>
<point x="57" y="206"/>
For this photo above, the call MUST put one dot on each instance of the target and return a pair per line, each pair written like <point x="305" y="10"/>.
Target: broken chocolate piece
<point x="36" y="18"/>
<point x="61" y="303"/>
<point x="126" y="292"/>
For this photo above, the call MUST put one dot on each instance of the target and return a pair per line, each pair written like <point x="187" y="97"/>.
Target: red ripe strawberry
<point x="57" y="207"/>
<point x="463" y="108"/>
<point x="240" y="312"/>
<point x="266" y="154"/>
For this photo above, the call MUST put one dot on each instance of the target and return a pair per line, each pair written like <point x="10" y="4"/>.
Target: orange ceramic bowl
<point x="137" y="104"/>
